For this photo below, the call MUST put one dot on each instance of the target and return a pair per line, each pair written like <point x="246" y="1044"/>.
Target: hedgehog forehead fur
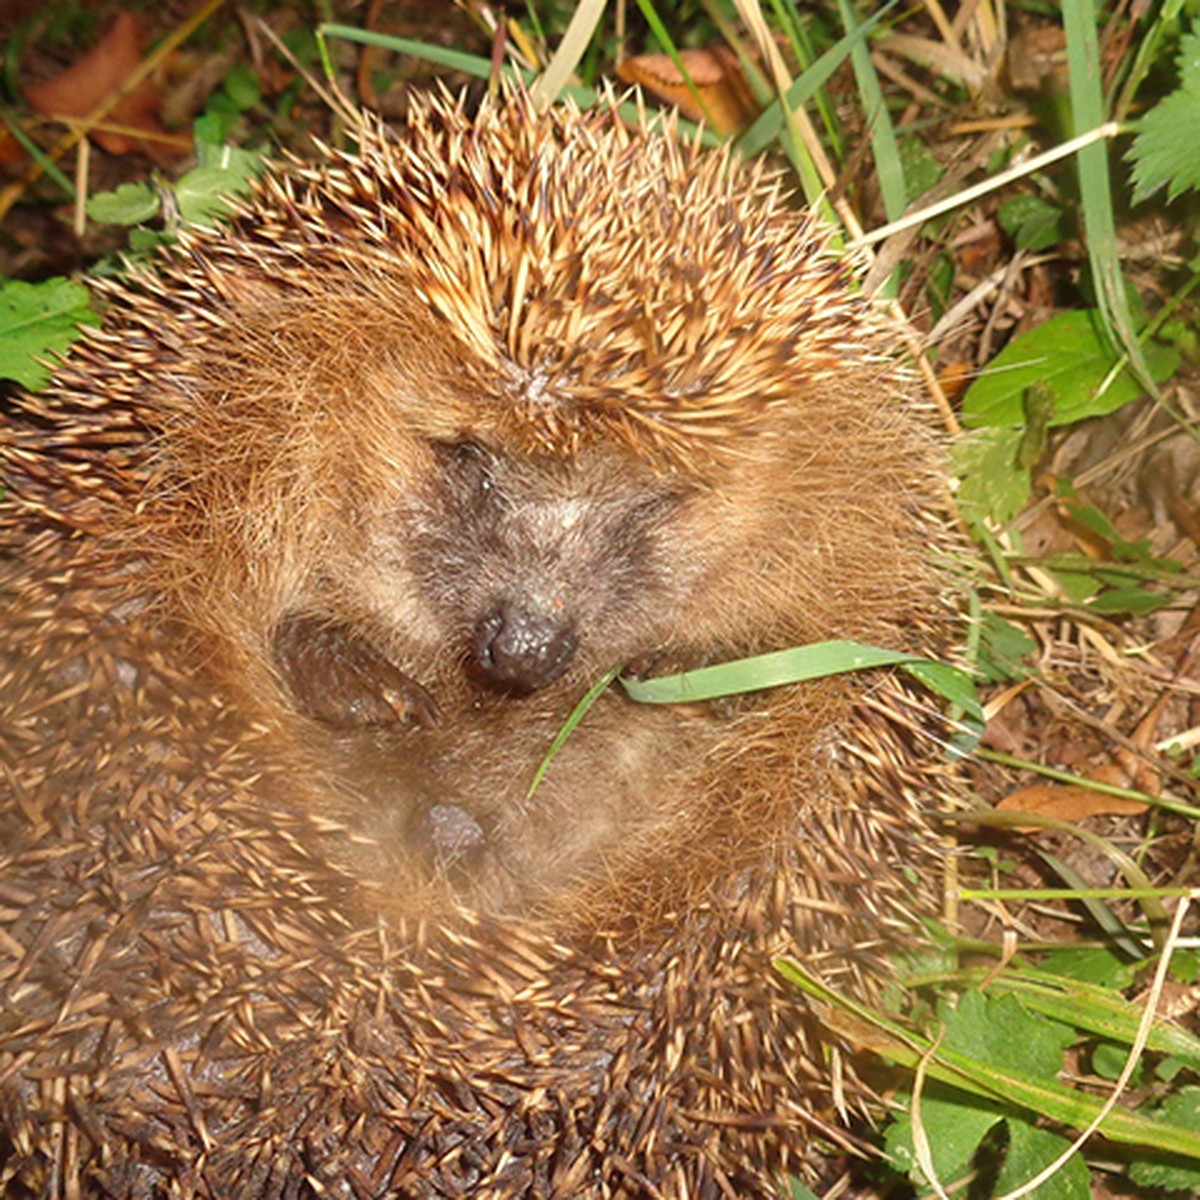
<point x="599" y="280"/>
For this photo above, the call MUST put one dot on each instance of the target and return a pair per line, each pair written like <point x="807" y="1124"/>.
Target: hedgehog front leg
<point x="336" y="677"/>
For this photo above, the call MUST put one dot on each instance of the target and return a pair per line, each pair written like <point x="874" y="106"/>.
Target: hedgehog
<point x="309" y="552"/>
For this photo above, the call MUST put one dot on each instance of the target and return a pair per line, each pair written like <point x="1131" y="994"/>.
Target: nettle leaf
<point x="37" y="322"/>
<point x="1165" y="151"/>
<point x="1071" y="360"/>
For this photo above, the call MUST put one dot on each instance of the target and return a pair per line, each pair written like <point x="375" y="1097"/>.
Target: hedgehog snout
<point x="519" y="651"/>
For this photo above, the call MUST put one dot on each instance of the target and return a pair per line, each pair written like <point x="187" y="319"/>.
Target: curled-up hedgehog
<point x="309" y="552"/>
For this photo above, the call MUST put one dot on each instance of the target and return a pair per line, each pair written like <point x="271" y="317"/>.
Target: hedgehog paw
<point x="337" y="678"/>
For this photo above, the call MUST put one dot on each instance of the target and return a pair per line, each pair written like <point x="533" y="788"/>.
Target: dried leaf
<point x="83" y="85"/>
<point x="1067" y="802"/>
<point x="717" y="76"/>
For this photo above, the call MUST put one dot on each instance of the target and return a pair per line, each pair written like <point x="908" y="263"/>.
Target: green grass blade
<point x="1087" y="107"/>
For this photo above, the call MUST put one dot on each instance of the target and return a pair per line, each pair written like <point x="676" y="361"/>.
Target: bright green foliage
<point x="954" y="1129"/>
<point x="1072" y="359"/>
<point x="129" y="204"/>
<point x="1166" y="151"/>
<point x="37" y="322"/>
<point x="1030" y="1150"/>
<point x="1002" y="1033"/>
<point x="201" y="196"/>
<point x="203" y="193"/>
<point x="1091" y="964"/>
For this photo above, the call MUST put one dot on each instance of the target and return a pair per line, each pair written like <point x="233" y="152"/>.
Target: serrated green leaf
<point x="1000" y="1031"/>
<point x="1031" y="1150"/>
<point x="37" y="321"/>
<point x="1070" y="356"/>
<point x="1094" y="1007"/>
<point x="129" y="204"/>
<point x="203" y="193"/>
<point x="1165" y="151"/>
<point x="1046" y="1097"/>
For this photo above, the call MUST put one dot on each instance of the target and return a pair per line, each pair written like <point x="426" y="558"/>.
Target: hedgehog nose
<point x="521" y="651"/>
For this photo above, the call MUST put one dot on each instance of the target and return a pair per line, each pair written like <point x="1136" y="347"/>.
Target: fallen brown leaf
<point x="83" y="85"/>
<point x="1067" y="802"/>
<point x="717" y="76"/>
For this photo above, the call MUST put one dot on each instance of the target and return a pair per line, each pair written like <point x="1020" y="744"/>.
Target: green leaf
<point x="797" y="1191"/>
<point x="1166" y="151"/>
<point x="1093" y="519"/>
<point x="991" y="484"/>
<point x="1002" y="646"/>
<point x="242" y="87"/>
<point x="1134" y="600"/>
<point x="204" y="193"/>
<point x="1046" y="1097"/>
<point x="1109" y="1060"/>
<point x="214" y="126"/>
<point x="954" y="1127"/>
<point x="1032" y="222"/>
<point x="130" y="204"/>
<point x="1071" y="357"/>
<point x="38" y="320"/>
<point x="1096" y="1008"/>
<point x="1181" y="1109"/>
<point x="796" y="665"/>
<point x="1030" y="1150"/>
<point x="1097" y="965"/>
<point x="571" y="724"/>
<point x="1000" y="1031"/>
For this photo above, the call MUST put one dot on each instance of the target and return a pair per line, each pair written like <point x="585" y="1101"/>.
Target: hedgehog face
<point x="533" y="564"/>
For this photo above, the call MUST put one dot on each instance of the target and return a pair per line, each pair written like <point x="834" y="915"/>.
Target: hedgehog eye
<point x="468" y="461"/>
